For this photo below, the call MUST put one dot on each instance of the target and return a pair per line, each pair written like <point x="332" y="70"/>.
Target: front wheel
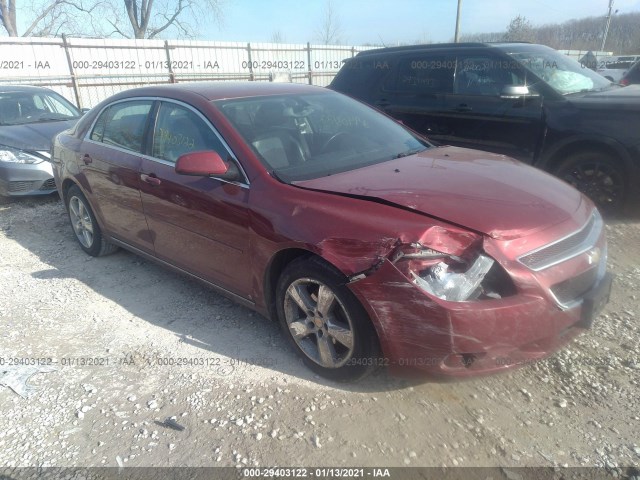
<point x="85" y="226"/>
<point x="325" y="322"/>
<point x="598" y="176"/>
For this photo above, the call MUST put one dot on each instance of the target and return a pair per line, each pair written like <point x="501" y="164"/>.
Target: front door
<point x="199" y="224"/>
<point x="479" y="114"/>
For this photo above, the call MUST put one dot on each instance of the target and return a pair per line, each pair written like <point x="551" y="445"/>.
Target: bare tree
<point x="330" y="31"/>
<point x="576" y="34"/>
<point x="48" y="18"/>
<point x="151" y="18"/>
<point x="277" y="37"/>
<point x="520" y="29"/>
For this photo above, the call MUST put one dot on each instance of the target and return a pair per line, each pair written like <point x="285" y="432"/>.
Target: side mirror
<point x="517" y="91"/>
<point x="206" y="164"/>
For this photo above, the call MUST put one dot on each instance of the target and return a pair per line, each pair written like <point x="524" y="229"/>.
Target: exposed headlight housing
<point x="15" y="155"/>
<point x="454" y="278"/>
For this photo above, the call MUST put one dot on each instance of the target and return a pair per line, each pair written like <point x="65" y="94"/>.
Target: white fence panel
<point x="90" y="70"/>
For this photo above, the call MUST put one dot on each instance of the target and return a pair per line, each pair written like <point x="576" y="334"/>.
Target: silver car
<point x="29" y="119"/>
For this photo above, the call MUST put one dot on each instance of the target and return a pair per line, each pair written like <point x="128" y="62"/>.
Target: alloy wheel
<point x="81" y="221"/>
<point x="319" y="323"/>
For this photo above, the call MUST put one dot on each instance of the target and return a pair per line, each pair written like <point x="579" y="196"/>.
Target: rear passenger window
<point x="122" y="125"/>
<point x="362" y="74"/>
<point x="426" y="74"/>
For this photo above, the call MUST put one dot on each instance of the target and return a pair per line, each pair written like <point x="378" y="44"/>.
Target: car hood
<point x="626" y="98"/>
<point x="33" y="136"/>
<point x="488" y="193"/>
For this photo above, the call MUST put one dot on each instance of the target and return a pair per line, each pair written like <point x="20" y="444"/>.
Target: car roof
<point x="441" y="46"/>
<point x="224" y="90"/>
<point x="23" y="89"/>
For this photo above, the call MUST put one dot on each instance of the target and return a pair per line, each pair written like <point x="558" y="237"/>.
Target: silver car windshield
<point x="23" y="107"/>
<point x="564" y="74"/>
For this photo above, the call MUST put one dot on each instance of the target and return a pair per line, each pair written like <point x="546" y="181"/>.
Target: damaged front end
<point x="458" y="270"/>
<point x="471" y="275"/>
<point x="444" y="305"/>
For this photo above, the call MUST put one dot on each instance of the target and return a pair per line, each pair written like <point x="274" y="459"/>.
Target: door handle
<point x="463" y="107"/>
<point x="86" y="158"/>
<point x="150" y="179"/>
<point x="383" y="102"/>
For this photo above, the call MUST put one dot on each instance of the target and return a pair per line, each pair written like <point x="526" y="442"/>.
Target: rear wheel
<point x="85" y="226"/>
<point x="325" y="322"/>
<point x="597" y="175"/>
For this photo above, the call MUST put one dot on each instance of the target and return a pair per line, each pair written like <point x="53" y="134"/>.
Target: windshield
<point x="562" y="73"/>
<point x="18" y="108"/>
<point x="300" y="137"/>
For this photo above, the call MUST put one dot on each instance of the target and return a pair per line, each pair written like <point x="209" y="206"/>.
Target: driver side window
<point x="485" y="75"/>
<point x="179" y="130"/>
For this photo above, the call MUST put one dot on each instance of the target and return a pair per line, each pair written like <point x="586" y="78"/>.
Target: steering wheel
<point x="339" y="136"/>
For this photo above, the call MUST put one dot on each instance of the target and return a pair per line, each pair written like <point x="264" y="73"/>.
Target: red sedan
<point x="371" y="246"/>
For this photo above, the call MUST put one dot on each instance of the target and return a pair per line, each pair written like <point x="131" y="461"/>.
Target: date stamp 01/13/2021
<point x="218" y="364"/>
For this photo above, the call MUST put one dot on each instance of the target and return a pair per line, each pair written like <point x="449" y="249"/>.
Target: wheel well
<point x="573" y="148"/>
<point x="277" y="265"/>
<point x="66" y="185"/>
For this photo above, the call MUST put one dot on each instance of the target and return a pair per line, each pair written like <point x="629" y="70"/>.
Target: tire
<point x="84" y="225"/>
<point x="336" y="340"/>
<point x="599" y="176"/>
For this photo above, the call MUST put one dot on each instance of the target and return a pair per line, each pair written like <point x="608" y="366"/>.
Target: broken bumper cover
<point x="465" y="339"/>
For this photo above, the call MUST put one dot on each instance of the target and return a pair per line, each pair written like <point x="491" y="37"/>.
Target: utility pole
<point x="457" y="37"/>
<point x="606" y="29"/>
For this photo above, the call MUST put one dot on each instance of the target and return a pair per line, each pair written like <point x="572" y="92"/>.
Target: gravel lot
<point x="116" y="328"/>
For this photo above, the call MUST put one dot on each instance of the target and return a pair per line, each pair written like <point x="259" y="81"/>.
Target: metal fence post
<point x="74" y="80"/>
<point x="309" y="62"/>
<point x="251" y="77"/>
<point x="172" y="77"/>
<point x="353" y="51"/>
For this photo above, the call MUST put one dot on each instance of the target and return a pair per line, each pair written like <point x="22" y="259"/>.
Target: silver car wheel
<point x="81" y="221"/>
<point x="319" y="323"/>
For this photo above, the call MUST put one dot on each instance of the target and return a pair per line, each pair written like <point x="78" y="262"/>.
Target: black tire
<point x="352" y="362"/>
<point x="84" y="225"/>
<point x="599" y="176"/>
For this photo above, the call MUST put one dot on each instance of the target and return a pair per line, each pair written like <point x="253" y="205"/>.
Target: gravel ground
<point x="117" y="327"/>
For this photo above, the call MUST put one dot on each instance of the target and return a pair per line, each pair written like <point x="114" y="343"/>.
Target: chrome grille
<point x="565" y="248"/>
<point x="48" y="184"/>
<point x="572" y="289"/>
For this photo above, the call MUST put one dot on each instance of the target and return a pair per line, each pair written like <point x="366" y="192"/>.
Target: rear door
<point x="199" y="224"/>
<point x="110" y="161"/>
<point x="415" y="93"/>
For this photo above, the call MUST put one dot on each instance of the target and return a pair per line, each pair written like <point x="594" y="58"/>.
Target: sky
<point x="389" y="22"/>
<point x="385" y="22"/>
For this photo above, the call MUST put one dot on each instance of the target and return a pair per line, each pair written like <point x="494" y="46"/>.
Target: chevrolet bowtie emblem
<point x="593" y="256"/>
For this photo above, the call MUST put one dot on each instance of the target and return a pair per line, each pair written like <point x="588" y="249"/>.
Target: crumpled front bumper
<point x="465" y="339"/>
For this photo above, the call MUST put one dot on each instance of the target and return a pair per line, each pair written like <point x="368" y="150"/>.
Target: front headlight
<point x="450" y="285"/>
<point x="454" y="278"/>
<point x="15" y="155"/>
